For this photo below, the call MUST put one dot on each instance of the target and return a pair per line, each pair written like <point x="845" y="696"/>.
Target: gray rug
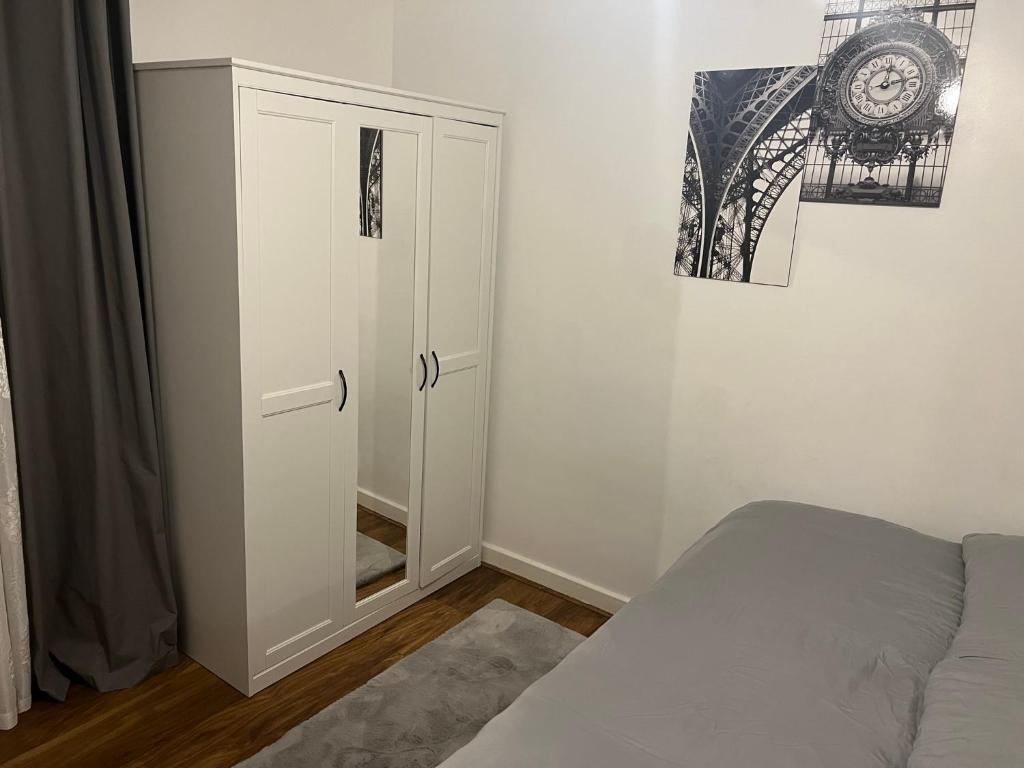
<point x="375" y="559"/>
<point x="418" y="712"/>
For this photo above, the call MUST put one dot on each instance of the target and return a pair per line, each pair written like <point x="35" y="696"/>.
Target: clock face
<point x="886" y="85"/>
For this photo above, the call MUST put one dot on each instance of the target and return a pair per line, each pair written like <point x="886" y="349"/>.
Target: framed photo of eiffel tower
<point x="747" y="143"/>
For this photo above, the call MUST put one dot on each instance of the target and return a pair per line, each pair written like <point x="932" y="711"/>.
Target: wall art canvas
<point x="888" y="92"/>
<point x="371" y="182"/>
<point x="747" y="141"/>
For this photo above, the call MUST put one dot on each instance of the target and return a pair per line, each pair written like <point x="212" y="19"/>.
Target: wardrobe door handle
<point x="437" y="368"/>
<point x="344" y="390"/>
<point x="426" y="374"/>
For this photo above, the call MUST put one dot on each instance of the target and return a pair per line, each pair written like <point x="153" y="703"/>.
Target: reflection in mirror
<point x="371" y="182"/>
<point x="386" y="314"/>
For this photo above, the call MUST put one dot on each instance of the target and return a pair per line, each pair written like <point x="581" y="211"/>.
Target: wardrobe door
<point x="298" y="190"/>
<point x="458" y="329"/>
<point x="382" y="545"/>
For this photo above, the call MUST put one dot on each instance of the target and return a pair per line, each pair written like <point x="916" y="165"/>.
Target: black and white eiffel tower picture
<point x="747" y="142"/>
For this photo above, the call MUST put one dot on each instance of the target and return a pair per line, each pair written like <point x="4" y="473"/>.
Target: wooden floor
<point x="187" y="718"/>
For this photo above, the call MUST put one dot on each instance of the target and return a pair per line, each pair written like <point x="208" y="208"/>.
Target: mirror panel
<point x="387" y="382"/>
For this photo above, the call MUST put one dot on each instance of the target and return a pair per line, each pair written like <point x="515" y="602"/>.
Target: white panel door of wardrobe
<point x="458" y="326"/>
<point x="299" y="186"/>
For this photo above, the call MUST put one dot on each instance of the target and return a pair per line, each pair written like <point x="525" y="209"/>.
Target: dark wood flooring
<point x="386" y="532"/>
<point x="188" y="718"/>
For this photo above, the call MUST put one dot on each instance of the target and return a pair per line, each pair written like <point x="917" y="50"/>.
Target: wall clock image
<point x="886" y="106"/>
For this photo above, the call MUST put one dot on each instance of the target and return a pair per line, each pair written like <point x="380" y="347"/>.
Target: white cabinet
<point x="322" y="279"/>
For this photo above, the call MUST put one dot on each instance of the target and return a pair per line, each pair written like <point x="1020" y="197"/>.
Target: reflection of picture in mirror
<point x="371" y="182"/>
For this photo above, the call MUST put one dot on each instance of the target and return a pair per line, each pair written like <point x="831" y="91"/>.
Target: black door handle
<point x="426" y="375"/>
<point x="437" y="368"/>
<point x="344" y="390"/>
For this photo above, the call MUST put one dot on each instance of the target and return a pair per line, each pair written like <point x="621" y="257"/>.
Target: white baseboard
<point x="383" y="507"/>
<point x="553" y="579"/>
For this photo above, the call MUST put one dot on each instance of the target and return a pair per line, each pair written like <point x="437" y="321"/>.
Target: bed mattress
<point x="788" y="637"/>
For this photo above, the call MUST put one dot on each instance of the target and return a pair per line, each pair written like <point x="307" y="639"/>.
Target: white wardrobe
<point x="322" y="280"/>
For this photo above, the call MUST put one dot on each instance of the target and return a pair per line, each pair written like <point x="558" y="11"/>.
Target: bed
<point x="792" y="636"/>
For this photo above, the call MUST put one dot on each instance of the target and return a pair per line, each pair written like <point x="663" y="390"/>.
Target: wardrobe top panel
<point x="488" y="115"/>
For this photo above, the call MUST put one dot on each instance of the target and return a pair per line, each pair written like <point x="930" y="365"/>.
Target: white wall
<point x="632" y="409"/>
<point x="345" y="38"/>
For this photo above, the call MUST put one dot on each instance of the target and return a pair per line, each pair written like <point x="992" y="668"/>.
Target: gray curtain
<point x="73" y="300"/>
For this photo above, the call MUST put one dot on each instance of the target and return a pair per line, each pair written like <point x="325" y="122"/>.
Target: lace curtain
<point x="15" y="671"/>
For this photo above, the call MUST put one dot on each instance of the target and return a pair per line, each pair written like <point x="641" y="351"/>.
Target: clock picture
<point x="889" y="82"/>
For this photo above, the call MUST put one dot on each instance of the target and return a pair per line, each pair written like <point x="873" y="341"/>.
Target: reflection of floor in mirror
<point x="386" y="532"/>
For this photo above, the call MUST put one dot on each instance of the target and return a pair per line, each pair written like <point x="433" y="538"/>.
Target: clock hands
<point x="888" y="77"/>
<point x="891" y="78"/>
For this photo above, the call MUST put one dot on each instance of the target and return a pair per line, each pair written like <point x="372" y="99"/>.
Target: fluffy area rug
<point x="420" y="711"/>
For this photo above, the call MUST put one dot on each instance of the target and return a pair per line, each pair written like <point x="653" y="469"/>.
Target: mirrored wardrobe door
<point x="393" y="211"/>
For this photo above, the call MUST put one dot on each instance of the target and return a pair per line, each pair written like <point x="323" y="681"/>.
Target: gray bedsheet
<point x="974" y="703"/>
<point x="788" y="637"/>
